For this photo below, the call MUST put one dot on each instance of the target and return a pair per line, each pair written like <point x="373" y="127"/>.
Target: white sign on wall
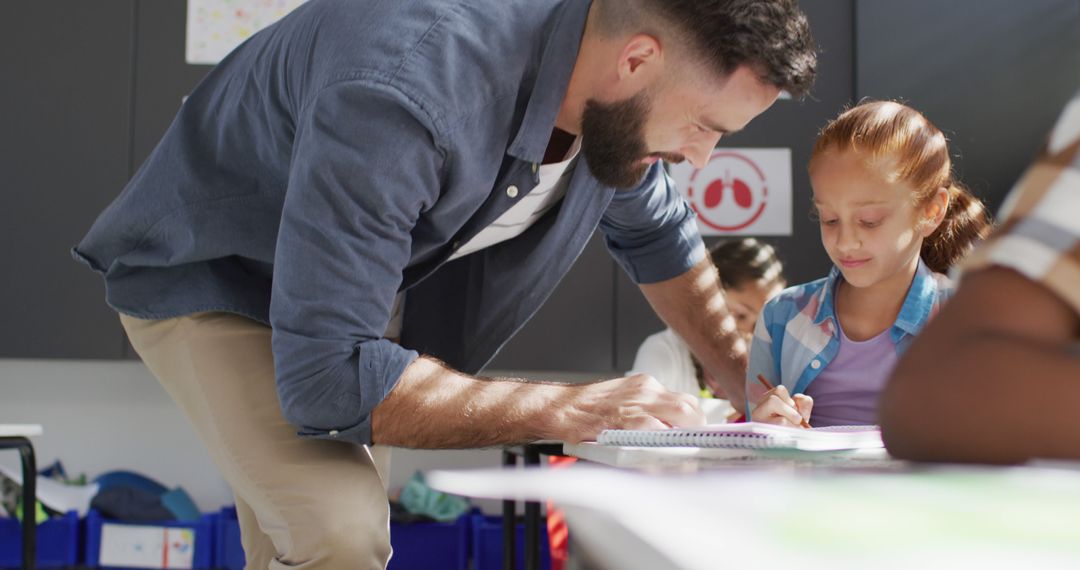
<point x="741" y="191"/>
<point x="215" y="27"/>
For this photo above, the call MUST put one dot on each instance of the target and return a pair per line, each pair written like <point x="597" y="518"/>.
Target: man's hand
<point x="632" y="402"/>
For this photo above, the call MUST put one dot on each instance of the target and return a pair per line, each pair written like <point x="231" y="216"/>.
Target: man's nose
<point x="700" y="151"/>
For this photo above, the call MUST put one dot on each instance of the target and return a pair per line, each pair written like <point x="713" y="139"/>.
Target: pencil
<point x="768" y="386"/>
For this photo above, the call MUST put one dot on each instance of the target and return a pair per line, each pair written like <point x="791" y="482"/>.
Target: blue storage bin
<point x="228" y="549"/>
<point x="57" y="542"/>
<point x="431" y="545"/>
<point x="487" y="542"/>
<point x="417" y="546"/>
<point x="202" y="534"/>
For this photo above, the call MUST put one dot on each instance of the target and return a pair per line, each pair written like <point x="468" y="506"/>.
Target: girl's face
<point x="870" y="225"/>
<point x="746" y="300"/>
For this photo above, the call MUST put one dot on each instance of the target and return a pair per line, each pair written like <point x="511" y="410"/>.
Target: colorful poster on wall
<point x="215" y="27"/>
<point x="741" y="191"/>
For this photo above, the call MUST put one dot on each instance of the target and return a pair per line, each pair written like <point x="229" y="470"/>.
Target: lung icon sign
<point x="730" y="193"/>
<point x="740" y="191"/>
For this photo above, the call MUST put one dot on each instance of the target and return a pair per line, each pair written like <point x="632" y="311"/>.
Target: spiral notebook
<point x="750" y="435"/>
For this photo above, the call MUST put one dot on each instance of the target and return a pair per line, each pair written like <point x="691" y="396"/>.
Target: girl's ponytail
<point x="966" y="222"/>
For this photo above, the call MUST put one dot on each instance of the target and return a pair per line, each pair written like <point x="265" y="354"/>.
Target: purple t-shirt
<point x="847" y="391"/>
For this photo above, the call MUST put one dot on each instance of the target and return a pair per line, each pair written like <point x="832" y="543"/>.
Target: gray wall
<point x="90" y="87"/>
<point x="992" y="74"/>
<point x="64" y="153"/>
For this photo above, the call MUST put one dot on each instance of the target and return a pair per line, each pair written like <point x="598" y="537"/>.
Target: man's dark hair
<point x="772" y="36"/>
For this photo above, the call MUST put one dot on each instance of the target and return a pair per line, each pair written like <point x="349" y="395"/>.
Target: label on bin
<point x="133" y="546"/>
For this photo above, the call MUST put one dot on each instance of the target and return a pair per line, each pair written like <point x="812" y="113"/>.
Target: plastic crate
<point x="165" y="544"/>
<point x="431" y="545"/>
<point x="228" y="549"/>
<point x="487" y="542"/>
<point x="417" y="546"/>
<point x="57" y="542"/>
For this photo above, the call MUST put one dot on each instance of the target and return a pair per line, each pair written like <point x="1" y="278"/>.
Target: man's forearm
<point x="693" y="305"/>
<point x="435" y="407"/>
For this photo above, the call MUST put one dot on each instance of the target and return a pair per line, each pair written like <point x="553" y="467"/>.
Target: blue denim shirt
<point x="338" y="157"/>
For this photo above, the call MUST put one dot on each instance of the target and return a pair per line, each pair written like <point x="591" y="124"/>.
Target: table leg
<point x="29" y="498"/>
<point x="509" y="516"/>
<point x="29" y="477"/>
<point x="532" y="518"/>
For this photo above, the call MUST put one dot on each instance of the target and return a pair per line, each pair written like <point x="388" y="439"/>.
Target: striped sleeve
<point x="1040" y="233"/>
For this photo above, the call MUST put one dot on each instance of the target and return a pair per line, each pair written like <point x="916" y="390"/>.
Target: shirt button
<point x="512" y="191"/>
<point x="333" y="433"/>
<point x="815" y="364"/>
<point x="455" y="245"/>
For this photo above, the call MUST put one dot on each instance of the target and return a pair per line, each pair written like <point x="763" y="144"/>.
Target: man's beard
<point x="613" y="141"/>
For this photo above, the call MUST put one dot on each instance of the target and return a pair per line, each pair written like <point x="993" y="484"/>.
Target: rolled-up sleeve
<point x="651" y="230"/>
<point x="366" y="164"/>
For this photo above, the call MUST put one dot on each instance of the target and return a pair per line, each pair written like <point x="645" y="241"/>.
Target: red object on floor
<point x="558" y="533"/>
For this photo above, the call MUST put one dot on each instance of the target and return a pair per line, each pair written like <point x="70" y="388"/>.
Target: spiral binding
<point x="691" y="438"/>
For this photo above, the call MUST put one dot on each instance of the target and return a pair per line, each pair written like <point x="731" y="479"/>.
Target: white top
<point x="19" y="430"/>
<point x="554" y="179"/>
<point x="666" y="357"/>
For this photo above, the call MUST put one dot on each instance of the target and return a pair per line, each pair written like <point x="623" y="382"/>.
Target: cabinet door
<point x="791" y="124"/>
<point x="65" y="152"/>
<point x="992" y="74"/>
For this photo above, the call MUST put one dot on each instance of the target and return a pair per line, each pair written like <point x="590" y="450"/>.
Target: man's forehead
<point x="741" y="89"/>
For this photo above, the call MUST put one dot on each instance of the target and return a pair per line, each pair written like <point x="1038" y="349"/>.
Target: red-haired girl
<point x="893" y="220"/>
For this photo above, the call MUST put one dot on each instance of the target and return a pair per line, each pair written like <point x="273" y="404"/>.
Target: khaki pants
<point x="302" y="503"/>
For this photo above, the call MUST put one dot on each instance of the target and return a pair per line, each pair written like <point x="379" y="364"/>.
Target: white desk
<point x="20" y="430"/>
<point x="926" y="517"/>
<point x="16" y="436"/>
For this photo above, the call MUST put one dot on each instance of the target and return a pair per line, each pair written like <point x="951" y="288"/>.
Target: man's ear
<point x="641" y="59"/>
<point x="935" y="211"/>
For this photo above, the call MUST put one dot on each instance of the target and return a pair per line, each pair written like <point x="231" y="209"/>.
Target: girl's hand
<point x="778" y="407"/>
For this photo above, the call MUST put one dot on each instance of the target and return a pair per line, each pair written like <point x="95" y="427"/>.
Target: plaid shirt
<point x="1040" y="235"/>
<point x="797" y="336"/>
